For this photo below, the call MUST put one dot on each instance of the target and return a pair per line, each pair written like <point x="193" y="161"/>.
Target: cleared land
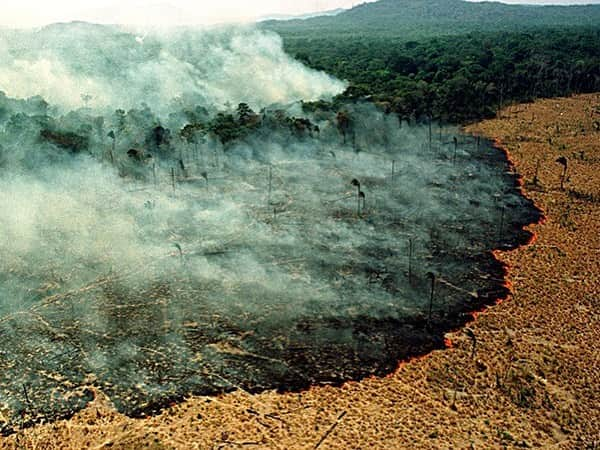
<point x="527" y="374"/>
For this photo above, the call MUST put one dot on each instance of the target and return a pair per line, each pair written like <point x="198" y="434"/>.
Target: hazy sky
<point x="23" y="13"/>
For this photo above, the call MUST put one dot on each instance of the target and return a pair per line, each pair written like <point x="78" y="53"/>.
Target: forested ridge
<point x="410" y="19"/>
<point x="459" y="65"/>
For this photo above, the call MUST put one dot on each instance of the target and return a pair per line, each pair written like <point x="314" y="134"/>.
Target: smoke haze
<point x="158" y="239"/>
<point x="117" y="68"/>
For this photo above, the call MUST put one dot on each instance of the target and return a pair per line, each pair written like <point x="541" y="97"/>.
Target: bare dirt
<point x="525" y="374"/>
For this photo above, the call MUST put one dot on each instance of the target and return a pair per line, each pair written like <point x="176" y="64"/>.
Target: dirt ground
<point x="525" y="374"/>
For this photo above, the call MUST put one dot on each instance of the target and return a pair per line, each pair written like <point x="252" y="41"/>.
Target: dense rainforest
<point x="419" y="19"/>
<point x="458" y="65"/>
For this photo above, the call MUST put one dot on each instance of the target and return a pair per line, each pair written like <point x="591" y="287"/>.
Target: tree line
<point x="458" y="78"/>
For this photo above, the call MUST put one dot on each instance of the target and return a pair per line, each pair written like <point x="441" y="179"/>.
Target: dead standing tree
<point x="501" y="227"/>
<point x="410" y="258"/>
<point x="343" y="124"/>
<point x="356" y="183"/>
<point x="455" y="150"/>
<point x="113" y="136"/>
<point x="193" y="134"/>
<point x="270" y="184"/>
<point x="565" y="163"/>
<point x="431" y="276"/>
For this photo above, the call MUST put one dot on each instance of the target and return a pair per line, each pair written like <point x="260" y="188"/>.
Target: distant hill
<point x="424" y="18"/>
<point x="285" y="17"/>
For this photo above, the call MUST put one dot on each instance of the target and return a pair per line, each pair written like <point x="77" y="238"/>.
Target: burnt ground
<point x="149" y="345"/>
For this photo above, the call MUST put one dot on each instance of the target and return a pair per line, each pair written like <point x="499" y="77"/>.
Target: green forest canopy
<point x="417" y="19"/>
<point x="450" y="59"/>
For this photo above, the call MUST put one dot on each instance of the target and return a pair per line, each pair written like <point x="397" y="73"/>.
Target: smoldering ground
<point x="272" y="249"/>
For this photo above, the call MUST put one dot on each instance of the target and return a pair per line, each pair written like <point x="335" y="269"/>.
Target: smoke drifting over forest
<point x="193" y="226"/>
<point x="117" y="68"/>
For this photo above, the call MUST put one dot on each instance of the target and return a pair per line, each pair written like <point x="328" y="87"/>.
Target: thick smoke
<point x="187" y="246"/>
<point x="73" y="65"/>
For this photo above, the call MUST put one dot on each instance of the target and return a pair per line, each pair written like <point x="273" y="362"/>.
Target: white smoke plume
<point x="74" y="65"/>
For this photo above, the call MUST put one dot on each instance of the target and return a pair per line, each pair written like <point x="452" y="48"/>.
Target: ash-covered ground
<point x="158" y="252"/>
